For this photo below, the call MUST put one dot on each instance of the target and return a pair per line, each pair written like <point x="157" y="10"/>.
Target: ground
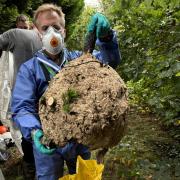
<point x="146" y="152"/>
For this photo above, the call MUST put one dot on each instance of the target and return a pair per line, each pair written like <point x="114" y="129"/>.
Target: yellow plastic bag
<point x="86" y="170"/>
<point x="69" y="177"/>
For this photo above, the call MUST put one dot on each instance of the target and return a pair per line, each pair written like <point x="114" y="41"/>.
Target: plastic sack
<point x="6" y="83"/>
<point x="1" y="175"/>
<point x="5" y="96"/>
<point x="86" y="169"/>
<point x="5" y="142"/>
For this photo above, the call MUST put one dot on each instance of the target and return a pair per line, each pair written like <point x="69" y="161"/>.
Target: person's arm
<point x="7" y="40"/>
<point x="99" y="32"/>
<point x="24" y="104"/>
<point x="99" y="27"/>
<point x="109" y="52"/>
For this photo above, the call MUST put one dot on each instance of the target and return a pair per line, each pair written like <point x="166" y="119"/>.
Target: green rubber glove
<point x="100" y="24"/>
<point x="37" y="136"/>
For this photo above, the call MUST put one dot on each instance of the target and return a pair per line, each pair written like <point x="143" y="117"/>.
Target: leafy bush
<point x="77" y="30"/>
<point x="10" y="9"/>
<point x="149" y="41"/>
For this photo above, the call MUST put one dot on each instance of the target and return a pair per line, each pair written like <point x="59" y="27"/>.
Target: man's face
<point x="49" y="18"/>
<point x="23" y="25"/>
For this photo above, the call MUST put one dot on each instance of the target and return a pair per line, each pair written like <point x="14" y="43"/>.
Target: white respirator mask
<point x="53" y="41"/>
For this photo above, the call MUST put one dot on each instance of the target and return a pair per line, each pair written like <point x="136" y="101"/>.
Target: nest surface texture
<point x="87" y="102"/>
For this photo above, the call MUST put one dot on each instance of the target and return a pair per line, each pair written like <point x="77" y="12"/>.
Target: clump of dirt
<point x="87" y="102"/>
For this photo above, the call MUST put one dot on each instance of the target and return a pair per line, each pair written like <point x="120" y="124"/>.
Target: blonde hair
<point x="50" y="7"/>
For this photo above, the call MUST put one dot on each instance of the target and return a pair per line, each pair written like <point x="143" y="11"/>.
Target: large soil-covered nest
<point x="87" y="102"/>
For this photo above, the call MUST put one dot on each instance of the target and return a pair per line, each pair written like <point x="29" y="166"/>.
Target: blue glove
<point x="37" y="136"/>
<point x="100" y="25"/>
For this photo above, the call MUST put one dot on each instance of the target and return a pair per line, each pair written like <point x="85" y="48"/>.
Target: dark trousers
<point x="28" y="163"/>
<point x="28" y="151"/>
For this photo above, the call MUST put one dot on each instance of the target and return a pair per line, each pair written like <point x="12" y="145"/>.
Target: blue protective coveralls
<point x="31" y="83"/>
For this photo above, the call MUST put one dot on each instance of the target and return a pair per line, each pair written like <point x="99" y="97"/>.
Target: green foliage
<point x="149" y="36"/>
<point x="7" y="17"/>
<point x="78" y="29"/>
<point x="69" y="97"/>
<point x="10" y="9"/>
<point x="71" y="8"/>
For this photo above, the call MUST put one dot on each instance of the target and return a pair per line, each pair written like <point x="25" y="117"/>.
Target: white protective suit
<point x="6" y="84"/>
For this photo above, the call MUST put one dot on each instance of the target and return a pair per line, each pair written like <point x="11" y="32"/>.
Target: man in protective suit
<point x="33" y="78"/>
